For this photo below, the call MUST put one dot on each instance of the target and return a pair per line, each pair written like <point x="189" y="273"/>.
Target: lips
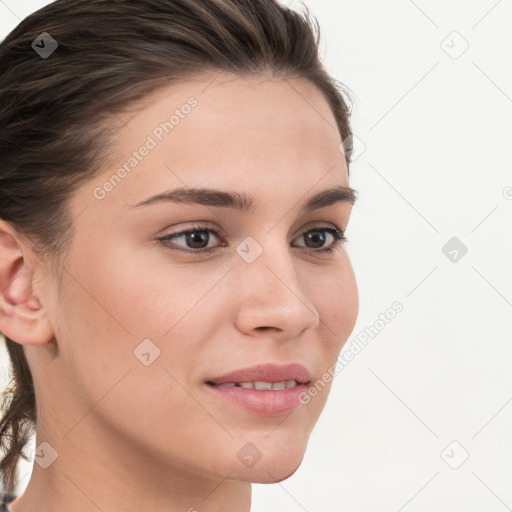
<point x="264" y="373"/>
<point x="264" y="389"/>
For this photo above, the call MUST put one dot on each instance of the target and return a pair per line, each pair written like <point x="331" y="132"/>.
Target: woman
<point x="175" y="289"/>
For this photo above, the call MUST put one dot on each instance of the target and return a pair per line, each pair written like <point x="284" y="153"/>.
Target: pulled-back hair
<point x="55" y="110"/>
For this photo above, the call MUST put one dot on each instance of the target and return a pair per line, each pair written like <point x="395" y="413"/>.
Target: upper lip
<point x="266" y="373"/>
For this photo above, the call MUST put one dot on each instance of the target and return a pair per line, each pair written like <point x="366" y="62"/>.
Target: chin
<point x="270" y="474"/>
<point x="271" y="468"/>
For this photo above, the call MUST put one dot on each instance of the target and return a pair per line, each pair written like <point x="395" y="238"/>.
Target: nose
<point x="270" y="296"/>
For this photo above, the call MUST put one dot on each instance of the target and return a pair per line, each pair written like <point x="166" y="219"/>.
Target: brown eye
<point x="195" y="239"/>
<point x="316" y="238"/>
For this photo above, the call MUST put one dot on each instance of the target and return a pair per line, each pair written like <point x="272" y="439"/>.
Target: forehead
<point x="236" y="112"/>
<point x="256" y="96"/>
<point x="272" y="135"/>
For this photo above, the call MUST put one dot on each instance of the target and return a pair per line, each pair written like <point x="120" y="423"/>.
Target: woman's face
<point x="145" y="325"/>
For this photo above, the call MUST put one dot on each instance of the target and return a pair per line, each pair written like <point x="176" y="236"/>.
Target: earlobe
<point x="23" y="318"/>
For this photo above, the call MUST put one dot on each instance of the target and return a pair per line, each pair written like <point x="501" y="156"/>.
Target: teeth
<point x="260" y="385"/>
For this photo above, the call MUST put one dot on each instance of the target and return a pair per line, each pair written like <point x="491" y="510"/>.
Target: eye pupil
<point x="316" y="236"/>
<point x="197" y="237"/>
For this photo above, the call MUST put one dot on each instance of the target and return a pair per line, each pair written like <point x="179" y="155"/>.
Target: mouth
<point x="265" y="376"/>
<point x="260" y="385"/>
<point x="265" y="390"/>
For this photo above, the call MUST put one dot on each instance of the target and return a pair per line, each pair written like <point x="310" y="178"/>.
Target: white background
<point x="433" y="161"/>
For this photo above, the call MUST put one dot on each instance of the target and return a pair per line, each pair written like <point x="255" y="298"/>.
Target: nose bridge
<point x="270" y="290"/>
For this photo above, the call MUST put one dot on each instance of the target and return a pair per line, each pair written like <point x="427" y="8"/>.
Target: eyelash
<point x="337" y="234"/>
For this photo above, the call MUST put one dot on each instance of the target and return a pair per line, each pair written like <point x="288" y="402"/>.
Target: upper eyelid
<point x="204" y="226"/>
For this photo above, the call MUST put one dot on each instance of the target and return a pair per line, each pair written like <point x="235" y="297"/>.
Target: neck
<point x="91" y="474"/>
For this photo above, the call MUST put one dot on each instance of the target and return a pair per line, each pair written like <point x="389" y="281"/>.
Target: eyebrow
<point x="245" y="202"/>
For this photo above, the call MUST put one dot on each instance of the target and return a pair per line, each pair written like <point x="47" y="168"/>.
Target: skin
<point x="131" y="436"/>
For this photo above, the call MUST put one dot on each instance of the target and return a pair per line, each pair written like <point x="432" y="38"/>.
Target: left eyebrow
<point x="245" y="202"/>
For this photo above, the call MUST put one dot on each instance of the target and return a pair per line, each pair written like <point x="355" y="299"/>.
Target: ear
<point x="23" y="318"/>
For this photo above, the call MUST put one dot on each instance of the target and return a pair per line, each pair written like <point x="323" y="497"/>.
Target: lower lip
<point x="267" y="402"/>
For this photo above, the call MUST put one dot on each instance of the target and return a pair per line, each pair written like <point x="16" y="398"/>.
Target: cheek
<point x="344" y="306"/>
<point x="117" y="309"/>
<point x="127" y="293"/>
<point x="333" y="292"/>
<point x="108" y="310"/>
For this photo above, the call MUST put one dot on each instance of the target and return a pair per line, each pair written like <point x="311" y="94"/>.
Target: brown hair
<point x="55" y="112"/>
